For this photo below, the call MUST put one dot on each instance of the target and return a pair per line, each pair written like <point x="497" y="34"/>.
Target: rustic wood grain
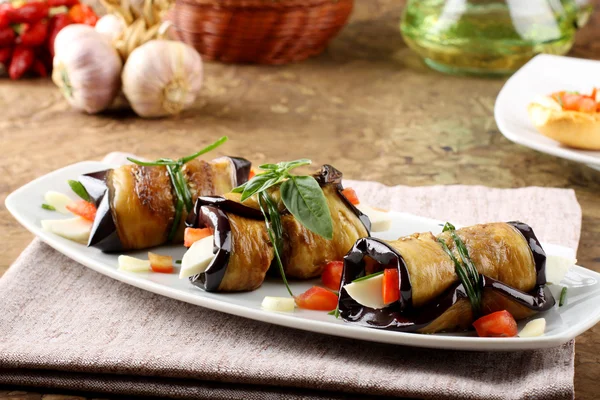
<point x="367" y="106"/>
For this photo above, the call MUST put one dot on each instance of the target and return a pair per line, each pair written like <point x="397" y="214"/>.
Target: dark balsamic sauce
<point x="401" y="316"/>
<point x="104" y="234"/>
<point x="205" y="215"/>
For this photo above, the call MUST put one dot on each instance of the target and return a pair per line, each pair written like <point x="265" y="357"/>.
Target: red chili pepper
<point x="4" y="21"/>
<point x="7" y="36"/>
<point x="5" y="53"/>
<point x="57" y="22"/>
<point x="83" y="14"/>
<point x="34" y="35"/>
<point x="60" y="3"/>
<point x="39" y="68"/>
<point x="28" y="12"/>
<point x="21" y="62"/>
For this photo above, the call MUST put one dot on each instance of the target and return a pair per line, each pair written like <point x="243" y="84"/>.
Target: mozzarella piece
<point x="380" y="220"/>
<point x="58" y="200"/>
<point x="132" y="264"/>
<point x="197" y="258"/>
<point x="271" y="303"/>
<point x="367" y="292"/>
<point x="548" y="102"/>
<point x="534" y="328"/>
<point x="77" y="229"/>
<point x="557" y="267"/>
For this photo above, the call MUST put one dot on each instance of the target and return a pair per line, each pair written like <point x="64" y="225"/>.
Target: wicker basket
<point x="259" y="31"/>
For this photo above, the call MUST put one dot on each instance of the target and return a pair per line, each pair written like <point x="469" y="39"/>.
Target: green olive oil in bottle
<point x="488" y="37"/>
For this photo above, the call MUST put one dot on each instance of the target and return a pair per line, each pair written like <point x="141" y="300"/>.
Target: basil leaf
<point x="268" y="166"/>
<point x="288" y="165"/>
<point x="304" y="198"/>
<point x="259" y="183"/>
<point x="79" y="190"/>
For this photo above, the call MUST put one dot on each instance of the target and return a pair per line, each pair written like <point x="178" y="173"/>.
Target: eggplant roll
<point x="137" y="204"/>
<point x="244" y="252"/>
<point x="508" y="256"/>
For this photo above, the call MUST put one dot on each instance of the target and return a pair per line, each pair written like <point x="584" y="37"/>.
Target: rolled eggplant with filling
<point x="137" y="204"/>
<point x="243" y="251"/>
<point x="431" y="297"/>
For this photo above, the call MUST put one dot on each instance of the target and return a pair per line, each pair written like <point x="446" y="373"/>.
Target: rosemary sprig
<point x="466" y="271"/>
<point x="175" y="170"/>
<point x="362" y="278"/>
<point x="274" y="230"/>
<point x="563" y="296"/>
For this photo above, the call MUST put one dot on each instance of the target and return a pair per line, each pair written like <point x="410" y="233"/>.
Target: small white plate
<point x="580" y="313"/>
<point x="543" y="75"/>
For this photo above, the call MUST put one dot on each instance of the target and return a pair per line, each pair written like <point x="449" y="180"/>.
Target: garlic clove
<point x="162" y="77"/>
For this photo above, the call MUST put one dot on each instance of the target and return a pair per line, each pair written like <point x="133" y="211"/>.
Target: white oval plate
<point x="543" y="75"/>
<point x="579" y="314"/>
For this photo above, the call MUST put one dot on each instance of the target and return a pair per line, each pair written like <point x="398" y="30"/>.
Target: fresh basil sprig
<point x="466" y="271"/>
<point x="301" y="194"/>
<point x="175" y="170"/>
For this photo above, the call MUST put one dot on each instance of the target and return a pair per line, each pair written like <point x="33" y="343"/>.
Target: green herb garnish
<point x="336" y="312"/>
<point x="48" y="207"/>
<point x="466" y="271"/>
<point x="175" y="170"/>
<point x="301" y="195"/>
<point x="273" y="223"/>
<point x="177" y="261"/>
<point x="563" y="296"/>
<point x="364" y="278"/>
<point x="79" y="190"/>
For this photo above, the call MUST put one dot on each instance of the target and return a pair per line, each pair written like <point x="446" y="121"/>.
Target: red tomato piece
<point x="391" y="285"/>
<point x="586" y="104"/>
<point x="498" y="324"/>
<point x="160" y="263"/>
<point x="84" y="209"/>
<point x="317" y="298"/>
<point x="192" y="235"/>
<point x="570" y="101"/>
<point x="252" y="174"/>
<point x="351" y="196"/>
<point x="332" y="274"/>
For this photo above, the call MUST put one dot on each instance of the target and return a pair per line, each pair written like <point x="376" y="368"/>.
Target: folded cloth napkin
<point x="65" y="326"/>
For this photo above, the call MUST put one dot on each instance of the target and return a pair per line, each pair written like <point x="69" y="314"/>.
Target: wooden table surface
<point x="367" y="105"/>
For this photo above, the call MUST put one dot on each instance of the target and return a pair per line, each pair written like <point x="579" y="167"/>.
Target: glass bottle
<point x="490" y="37"/>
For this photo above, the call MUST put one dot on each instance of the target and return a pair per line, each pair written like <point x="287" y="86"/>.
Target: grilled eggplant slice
<point x="244" y="251"/>
<point x="508" y="256"/>
<point x="136" y="204"/>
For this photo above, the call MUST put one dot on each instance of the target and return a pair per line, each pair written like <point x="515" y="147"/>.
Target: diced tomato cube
<point x="317" y="298"/>
<point x="192" y="235"/>
<point x="160" y="263"/>
<point x="587" y="105"/>
<point x="332" y="274"/>
<point x="351" y="196"/>
<point x="391" y="285"/>
<point x="498" y="324"/>
<point x="84" y="209"/>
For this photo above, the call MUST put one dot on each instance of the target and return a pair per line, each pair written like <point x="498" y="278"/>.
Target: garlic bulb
<point x="87" y="68"/>
<point x="162" y="77"/>
<point x="110" y="25"/>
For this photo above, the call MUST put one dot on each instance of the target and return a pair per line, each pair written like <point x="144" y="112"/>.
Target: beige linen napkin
<point x="65" y="326"/>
